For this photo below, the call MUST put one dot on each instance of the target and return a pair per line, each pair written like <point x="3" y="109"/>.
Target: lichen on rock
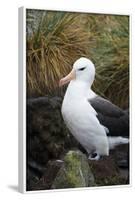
<point x="74" y="173"/>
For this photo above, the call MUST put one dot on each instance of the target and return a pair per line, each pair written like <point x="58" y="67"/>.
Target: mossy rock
<point x="107" y="171"/>
<point x="74" y="173"/>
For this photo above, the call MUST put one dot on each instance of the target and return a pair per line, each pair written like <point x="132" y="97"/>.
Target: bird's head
<point x="83" y="70"/>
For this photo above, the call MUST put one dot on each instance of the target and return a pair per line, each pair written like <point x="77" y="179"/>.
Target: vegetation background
<point x="56" y="39"/>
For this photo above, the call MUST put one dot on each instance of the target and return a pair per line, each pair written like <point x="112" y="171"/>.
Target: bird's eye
<point x="82" y="68"/>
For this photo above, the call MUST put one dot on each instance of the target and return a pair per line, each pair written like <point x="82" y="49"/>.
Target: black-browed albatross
<point x="79" y="113"/>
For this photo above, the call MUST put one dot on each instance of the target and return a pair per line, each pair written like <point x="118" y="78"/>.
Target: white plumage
<point x="78" y="114"/>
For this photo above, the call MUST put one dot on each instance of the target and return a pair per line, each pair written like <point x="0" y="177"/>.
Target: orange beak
<point x="67" y="78"/>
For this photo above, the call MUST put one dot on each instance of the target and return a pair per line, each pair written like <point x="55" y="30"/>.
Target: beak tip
<point x="67" y="79"/>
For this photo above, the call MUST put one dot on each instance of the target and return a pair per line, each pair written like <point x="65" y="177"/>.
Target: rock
<point x="47" y="135"/>
<point x="113" y="169"/>
<point x="32" y="179"/>
<point x="38" y="182"/>
<point x="53" y="167"/>
<point x="74" y="173"/>
<point x="105" y="171"/>
<point x="121" y="156"/>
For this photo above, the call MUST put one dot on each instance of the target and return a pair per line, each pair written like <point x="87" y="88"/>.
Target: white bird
<point x="79" y="115"/>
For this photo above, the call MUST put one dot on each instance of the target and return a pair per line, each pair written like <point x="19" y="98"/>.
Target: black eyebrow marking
<point x="82" y="68"/>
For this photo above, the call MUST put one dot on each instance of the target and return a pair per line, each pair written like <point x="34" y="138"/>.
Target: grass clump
<point x="110" y="53"/>
<point x="54" y="43"/>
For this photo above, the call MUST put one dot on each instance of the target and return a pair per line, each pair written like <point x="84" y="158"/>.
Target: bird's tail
<point x="115" y="141"/>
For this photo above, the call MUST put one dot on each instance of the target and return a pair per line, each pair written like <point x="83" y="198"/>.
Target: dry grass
<point x="51" y="50"/>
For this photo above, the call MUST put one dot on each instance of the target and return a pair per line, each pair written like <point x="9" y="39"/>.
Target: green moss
<point x="74" y="168"/>
<point x="75" y="172"/>
<point x="114" y="180"/>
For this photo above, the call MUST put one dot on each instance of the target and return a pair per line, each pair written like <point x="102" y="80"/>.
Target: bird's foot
<point x="94" y="156"/>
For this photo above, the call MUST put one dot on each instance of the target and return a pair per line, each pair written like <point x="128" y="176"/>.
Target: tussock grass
<point x="110" y="53"/>
<point x="56" y="39"/>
